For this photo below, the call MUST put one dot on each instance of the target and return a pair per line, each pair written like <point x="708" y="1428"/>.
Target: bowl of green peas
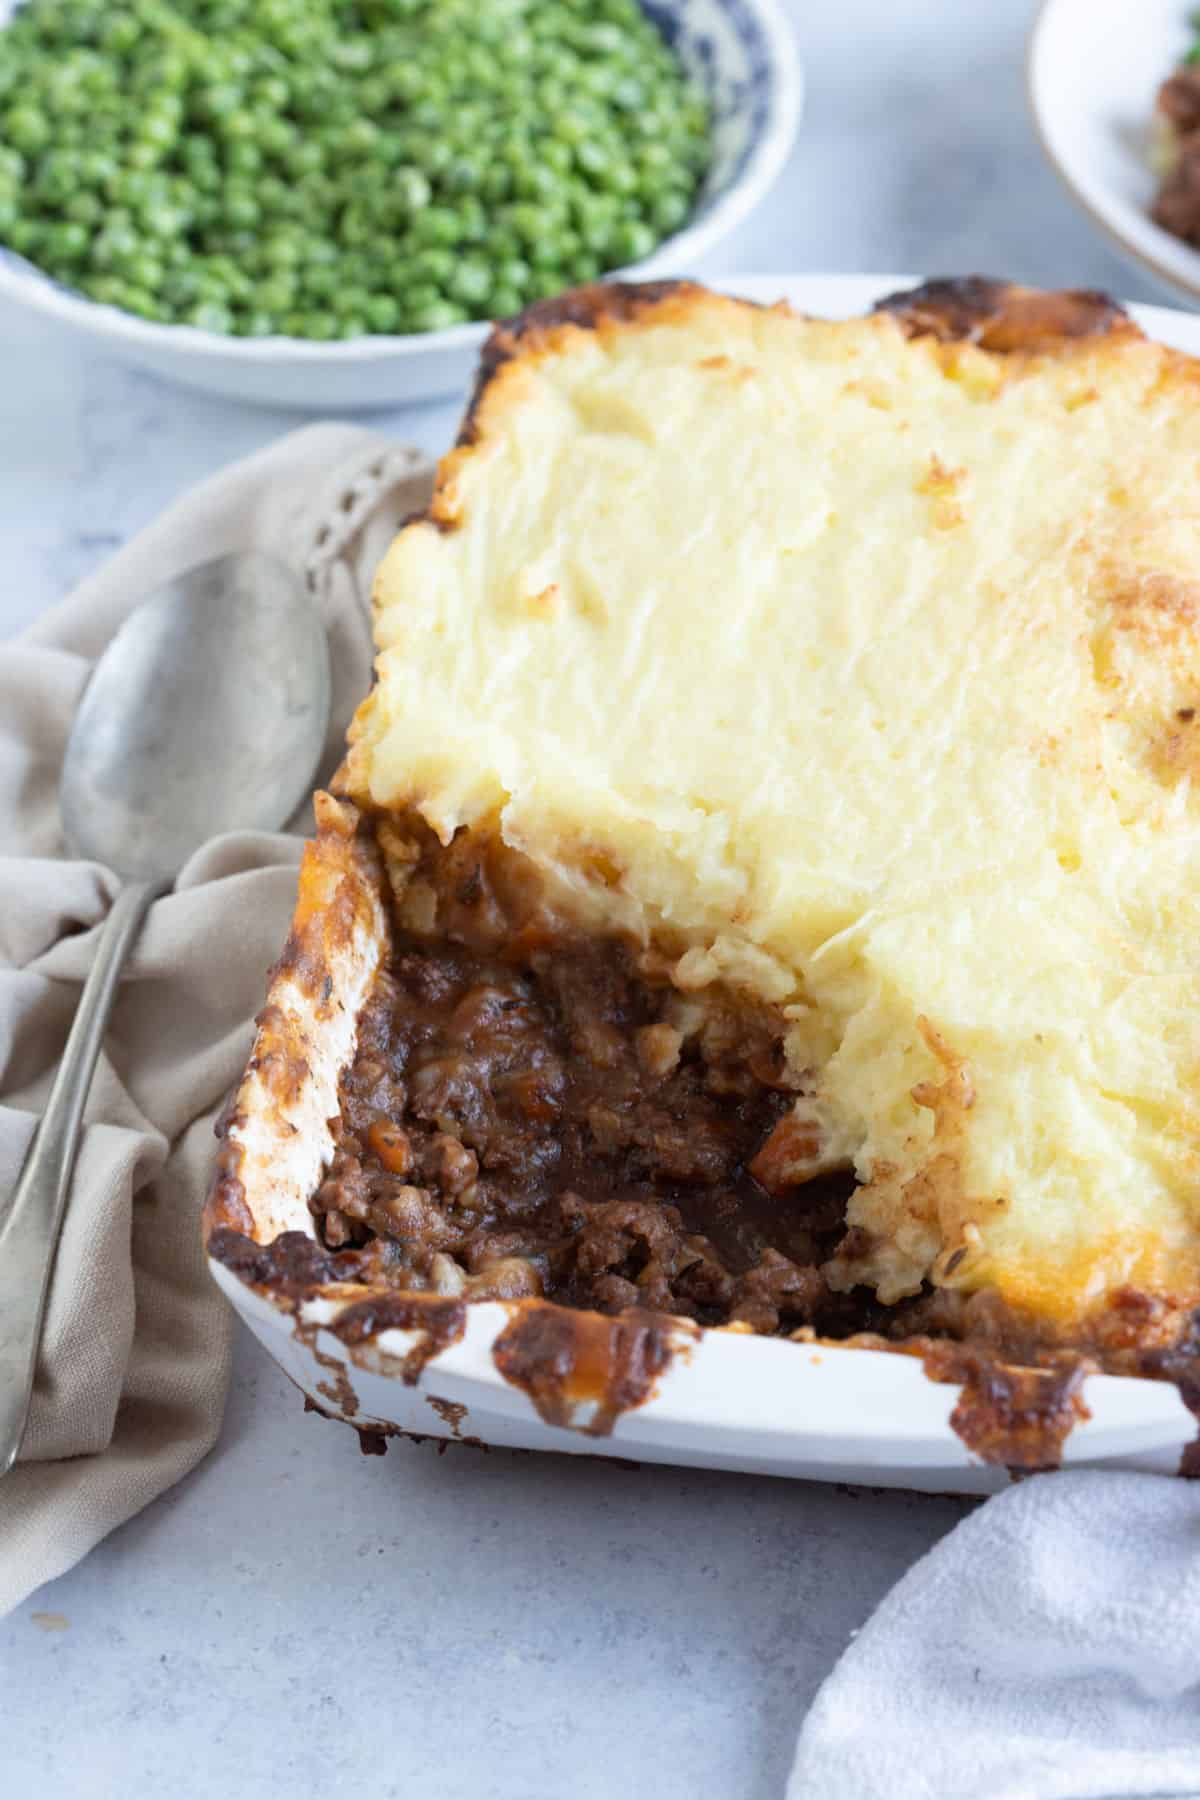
<point x="322" y="203"/>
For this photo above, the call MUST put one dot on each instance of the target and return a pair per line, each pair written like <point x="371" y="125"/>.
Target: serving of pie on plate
<point x="761" y="893"/>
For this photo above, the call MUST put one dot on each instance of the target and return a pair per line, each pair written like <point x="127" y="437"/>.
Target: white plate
<point x="1094" y="68"/>
<point x="744" y="54"/>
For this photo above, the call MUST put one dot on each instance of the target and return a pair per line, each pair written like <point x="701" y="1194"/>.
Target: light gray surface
<point x="297" y="1619"/>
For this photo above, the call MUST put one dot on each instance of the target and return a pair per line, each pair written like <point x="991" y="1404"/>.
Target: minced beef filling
<point x="523" y="1116"/>
<point x="536" y="1112"/>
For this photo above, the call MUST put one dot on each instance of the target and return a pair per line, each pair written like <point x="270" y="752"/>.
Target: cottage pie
<point x="780" y="768"/>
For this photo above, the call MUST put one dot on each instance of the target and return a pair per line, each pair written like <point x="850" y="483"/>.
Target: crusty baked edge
<point x="274" y="1131"/>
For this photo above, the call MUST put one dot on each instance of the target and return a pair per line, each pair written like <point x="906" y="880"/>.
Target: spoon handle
<point x="31" y="1219"/>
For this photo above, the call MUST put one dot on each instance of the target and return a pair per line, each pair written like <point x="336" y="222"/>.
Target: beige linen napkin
<point x="136" y="1355"/>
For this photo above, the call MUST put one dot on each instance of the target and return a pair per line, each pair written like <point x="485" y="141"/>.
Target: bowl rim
<point x="1161" y="267"/>
<point x="25" y="283"/>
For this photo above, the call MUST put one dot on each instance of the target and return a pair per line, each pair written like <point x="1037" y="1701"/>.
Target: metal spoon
<point x="207" y="713"/>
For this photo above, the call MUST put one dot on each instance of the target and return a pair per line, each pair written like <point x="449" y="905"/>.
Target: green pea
<point x="27" y="129"/>
<point x="144" y="271"/>
<point x="272" y="93"/>
<point x="655" y="160"/>
<point x="383" y="313"/>
<point x="355" y="226"/>
<point x="555" y="250"/>
<point x="555" y="155"/>
<point x="534" y="181"/>
<point x="241" y="208"/>
<point x="464" y="176"/>
<point x="570" y="128"/>
<point x="210" y="315"/>
<point x="57" y="177"/>
<point x="242" y="157"/>
<point x="351" y="301"/>
<point x="148" y="305"/>
<point x="284" y="250"/>
<point x="276" y="294"/>
<point x="593" y="157"/>
<point x="158" y="128"/>
<point x="102" y="288"/>
<point x="197" y="153"/>
<point x="473" y="223"/>
<point x="114" y="247"/>
<point x="436" y="315"/>
<point x="527" y="221"/>
<point x="68" y="242"/>
<point x="306" y="157"/>
<point x="170" y="70"/>
<point x="275" y="136"/>
<point x="505" y="301"/>
<point x="134" y="188"/>
<point x="273" y="194"/>
<point x="434" y="154"/>
<point x="471" y="282"/>
<point x="219" y="101"/>
<point x="353" y="53"/>
<point x="359" y="139"/>
<point x="418" y="295"/>
<point x="669" y="211"/>
<point x="180" y="287"/>
<point x="430" y="265"/>
<point x="161" y="220"/>
<point x="404" y="80"/>
<point x="239" y="125"/>
<point x="254" y="324"/>
<point x="633" y="241"/>
<point x="121" y="32"/>
<point x="320" y="283"/>
<point x="497" y="183"/>
<point x="359" y="268"/>
<point x="436" y="225"/>
<point x="512" y="272"/>
<point x="317" y="198"/>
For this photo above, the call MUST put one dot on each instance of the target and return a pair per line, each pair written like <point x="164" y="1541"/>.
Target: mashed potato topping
<point x="864" y="673"/>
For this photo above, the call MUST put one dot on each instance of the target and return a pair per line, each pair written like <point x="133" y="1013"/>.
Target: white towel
<point x="1048" y="1648"/>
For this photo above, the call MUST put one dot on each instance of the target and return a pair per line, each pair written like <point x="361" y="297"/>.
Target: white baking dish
<point x="728" y="1402"/>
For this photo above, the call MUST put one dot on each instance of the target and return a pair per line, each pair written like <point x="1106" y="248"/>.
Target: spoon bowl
<point x="207" y="713"/>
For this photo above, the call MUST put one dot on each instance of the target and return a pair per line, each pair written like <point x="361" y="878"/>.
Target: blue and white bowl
<point x="744" y="55"/>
